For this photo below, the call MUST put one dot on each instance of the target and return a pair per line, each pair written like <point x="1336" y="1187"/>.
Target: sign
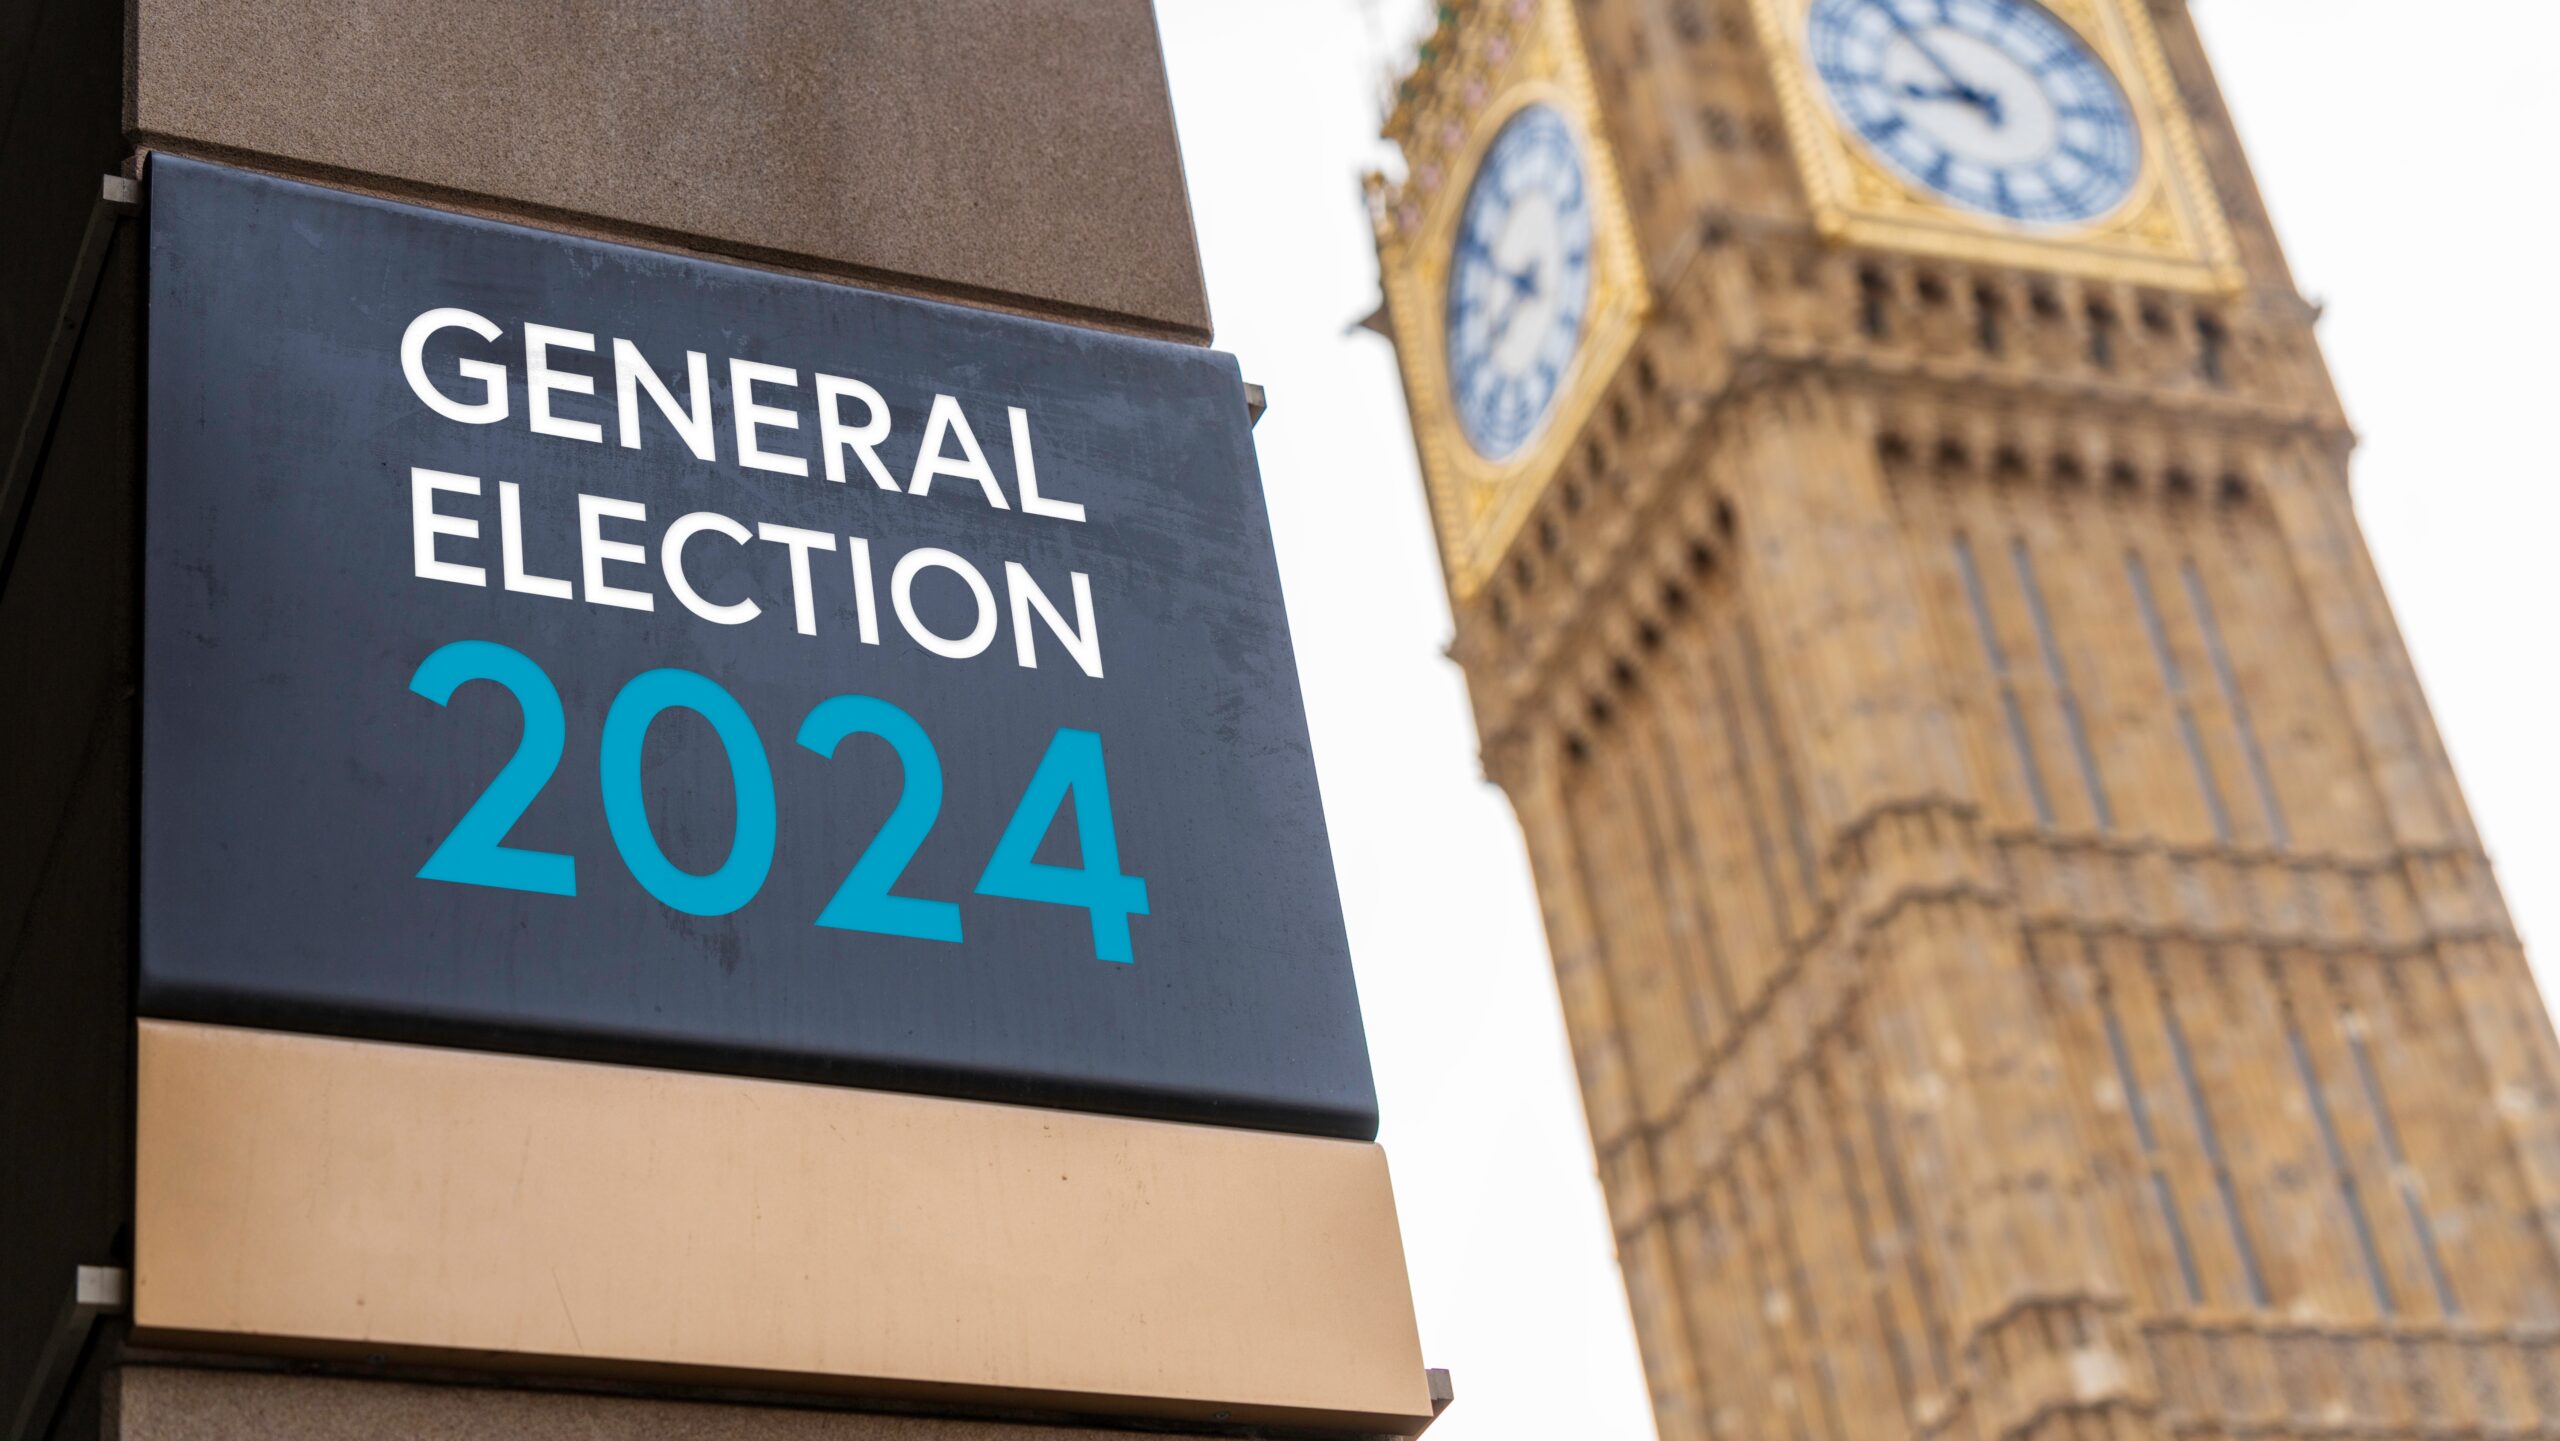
<point x="568" y="648"/>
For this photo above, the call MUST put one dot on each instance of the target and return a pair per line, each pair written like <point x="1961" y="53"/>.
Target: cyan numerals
<point x="1073" y="767"/>
<point x="474" y="853"/>
<point x="863" y="902"/>
<point x="626" y="729"/>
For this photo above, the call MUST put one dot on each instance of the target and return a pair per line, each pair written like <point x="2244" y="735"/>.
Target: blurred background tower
<point x="2031" y="968"/>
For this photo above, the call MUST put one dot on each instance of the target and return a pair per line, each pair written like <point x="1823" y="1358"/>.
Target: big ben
<point x="2031" y="970"/>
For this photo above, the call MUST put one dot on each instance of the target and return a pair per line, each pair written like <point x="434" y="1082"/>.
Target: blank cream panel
<point x="318" y="1196"/>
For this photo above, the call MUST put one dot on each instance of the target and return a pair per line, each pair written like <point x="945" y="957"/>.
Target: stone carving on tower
<point x="2031" y="969"/>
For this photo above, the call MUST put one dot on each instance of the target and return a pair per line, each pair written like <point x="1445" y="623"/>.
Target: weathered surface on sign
<point x="563" y="647"/>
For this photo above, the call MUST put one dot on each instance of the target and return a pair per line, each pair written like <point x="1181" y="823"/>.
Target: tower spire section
<point x="2029" y="964"/>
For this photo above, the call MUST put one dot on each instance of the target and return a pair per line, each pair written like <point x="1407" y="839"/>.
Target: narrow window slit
<point x="1753" y="1258"/>
<point x="1874" y="291"/>
<point x="1709" y="1013"/>
<point x="2339" y="1167"/>
<point x="2410" y="1199"/>
<point x="2060" y="677"/>
<point x="1790" y="800"/>
<point x="2176" y="681"/>
<point x="2163" y="1193"/>
<point x="2209" y="1139"/>
<point x="1782" y="1221"/>
<point x="1897" y="1196"/>
<point x="1897" y="1348"/>
<point x="1738" y="755"/>
<point x="2102" y="337"/>
<point x="2238" y="705"/>
<point x="2211" y="341"/>
<point x="1710" y="938"/>
<point x="2020" y="743"/>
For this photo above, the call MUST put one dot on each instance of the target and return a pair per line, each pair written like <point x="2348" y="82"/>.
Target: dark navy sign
<point x="569" y="648"/>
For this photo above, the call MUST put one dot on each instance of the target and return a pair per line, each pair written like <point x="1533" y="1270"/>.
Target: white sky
<point x="2398" y="147"/>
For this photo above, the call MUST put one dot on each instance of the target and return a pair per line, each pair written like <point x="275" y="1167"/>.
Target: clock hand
<point x="1957" y="86"/>
<point x="1524" y="288"/>
<point x="1499" y="325"/>
<point x="1928" y="52"/>
<point x="1982" y="100"/>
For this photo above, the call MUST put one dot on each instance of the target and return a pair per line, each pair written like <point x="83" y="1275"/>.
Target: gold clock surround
<point x="1478" y="505"/>
<point x="2169" y="231"/>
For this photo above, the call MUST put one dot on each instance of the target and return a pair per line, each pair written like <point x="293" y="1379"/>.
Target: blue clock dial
<point x="1519" y="282"/>
<point x="1994" y="104"/>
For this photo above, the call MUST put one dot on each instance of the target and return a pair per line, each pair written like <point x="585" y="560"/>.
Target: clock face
<point x="1519" y="282"/>
<point x="1993" y="104"/>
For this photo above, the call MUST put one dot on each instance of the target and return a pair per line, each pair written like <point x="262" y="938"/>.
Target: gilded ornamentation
<point x="2170" y="231"/>
<point x="1477" y="504"/>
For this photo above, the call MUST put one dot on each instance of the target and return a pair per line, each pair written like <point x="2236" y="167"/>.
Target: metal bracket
<point x="1255" y="402"/>
<point x="1443" y="1390"/>
<point x="118" y="198"/>
<point x="95" y="1291"/>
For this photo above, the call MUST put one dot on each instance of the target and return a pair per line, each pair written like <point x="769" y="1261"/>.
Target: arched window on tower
<point x="2211" y="341"/>
<point x="1873" y="291"/>
<point x="2102" y="335"/>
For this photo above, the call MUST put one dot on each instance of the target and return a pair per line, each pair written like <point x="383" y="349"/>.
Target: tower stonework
<point x="2030" y="967"/>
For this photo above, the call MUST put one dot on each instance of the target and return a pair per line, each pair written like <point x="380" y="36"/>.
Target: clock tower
<point x="2031" y="969"/>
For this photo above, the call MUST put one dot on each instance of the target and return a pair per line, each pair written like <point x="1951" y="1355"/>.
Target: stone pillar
<point x="1019" y="155"/>
<point x="1527" y="770"/>
<point x="1971" y="1070"/>
<point x="179" y="1403"/>
<point x="1830" y="589"/>
<point x="2431" y="838"/>
<point x="1015" y="155"/>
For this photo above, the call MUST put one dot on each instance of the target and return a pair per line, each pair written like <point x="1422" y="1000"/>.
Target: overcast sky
<point x="2400" y="148"/>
